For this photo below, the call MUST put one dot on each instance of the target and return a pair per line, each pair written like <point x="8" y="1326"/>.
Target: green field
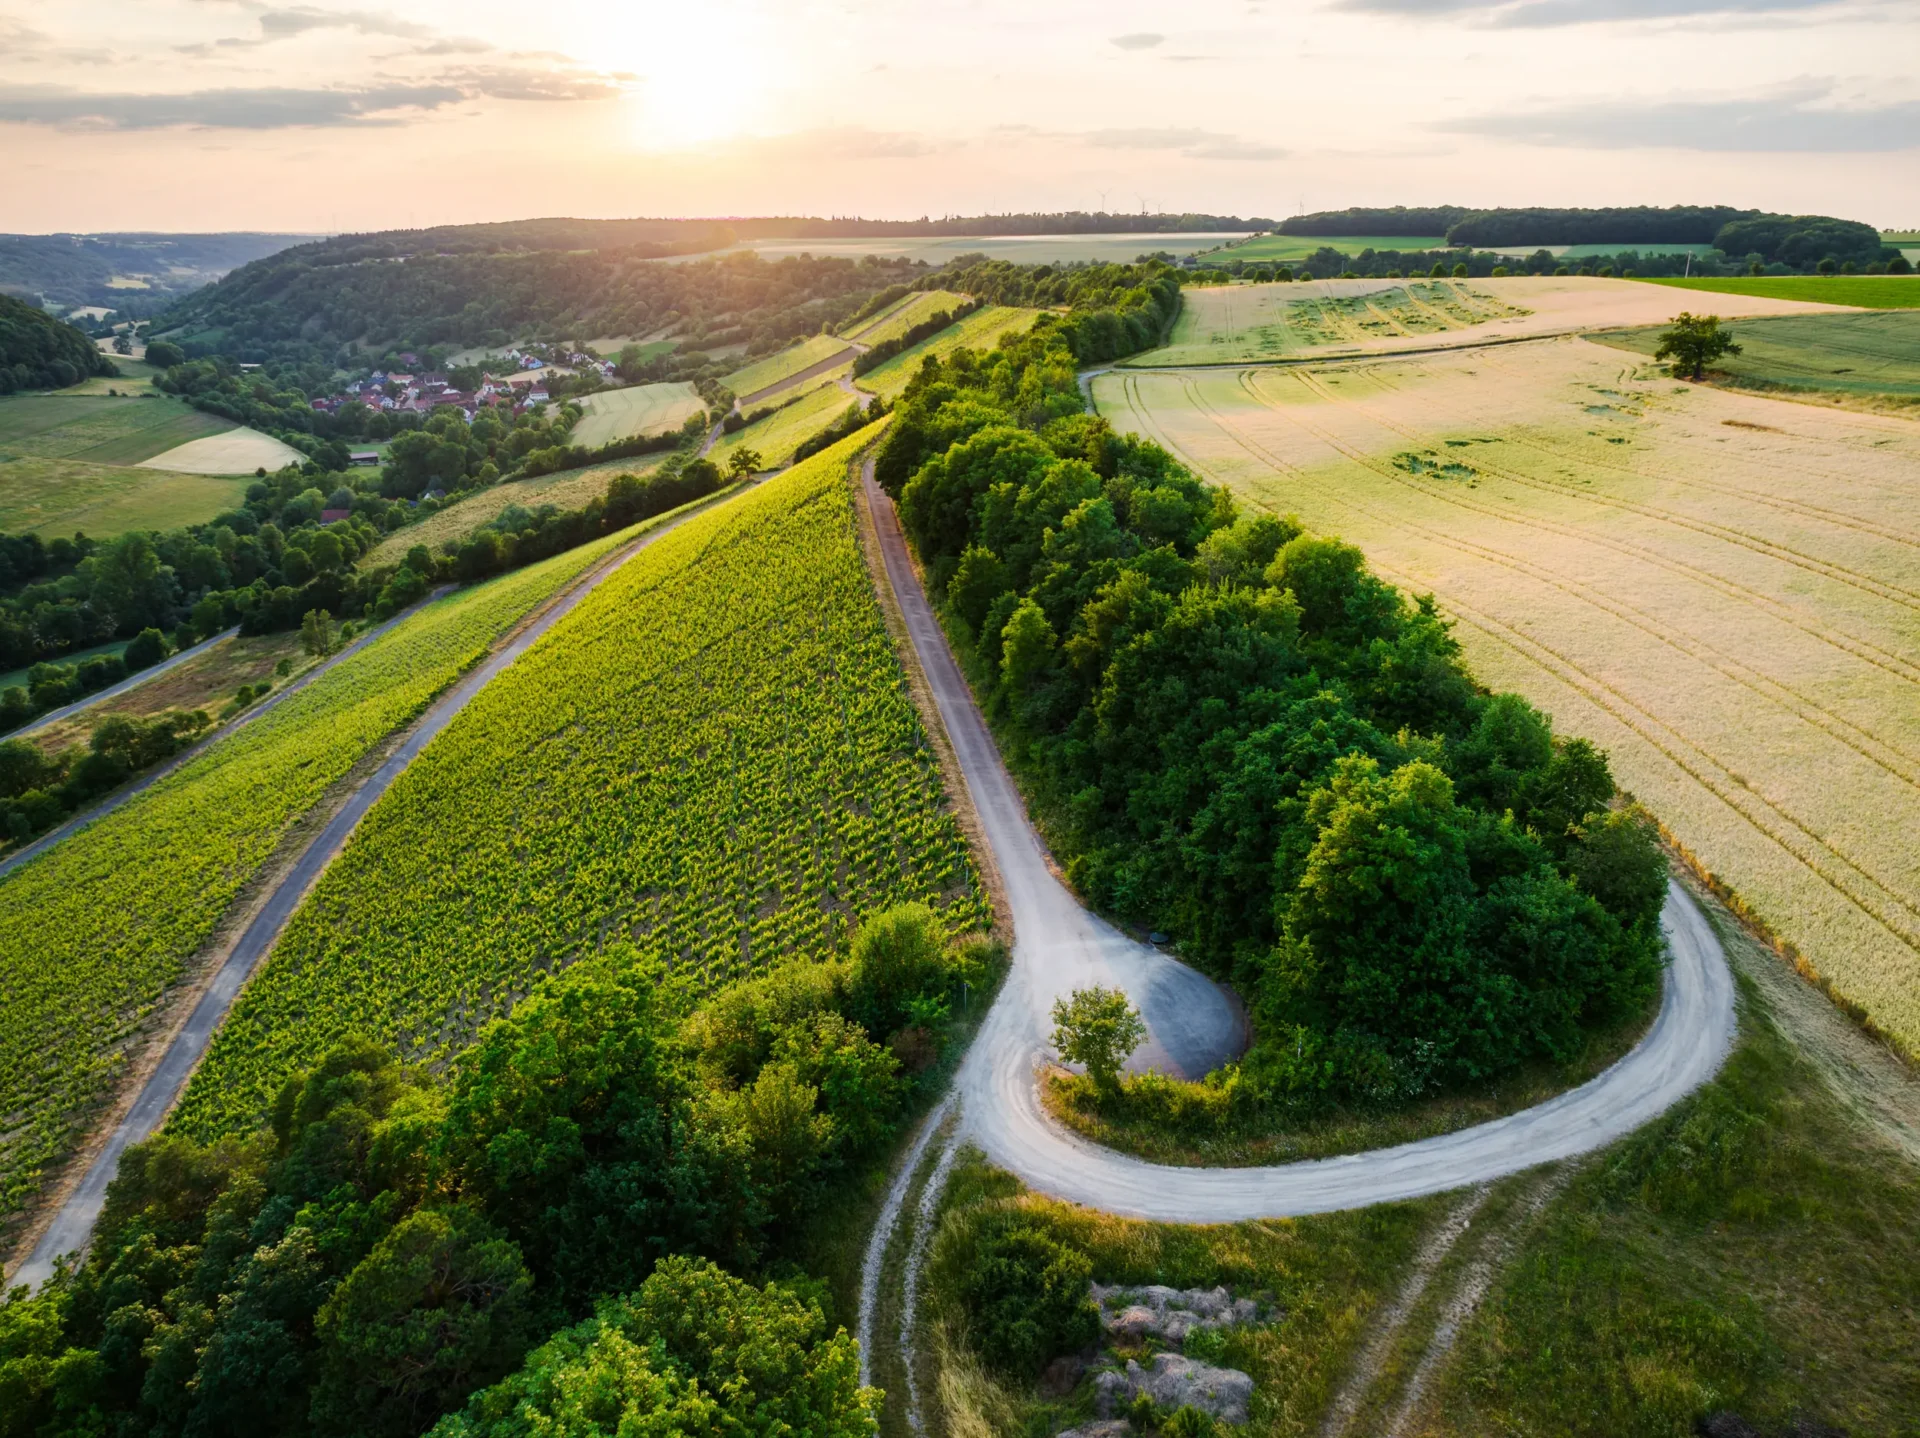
<point x="642" y="409"/>
<point x="776" y="437"/>
<point x="64" y="496"/>
<point x="1852" y="356"/>
<point x="564" y="489"/>
<point x="1274" y="249"/>
<point x="96" y="933"/>
<point x="135" y="378"/>
<point x="715" y="755"/>
<point x="980" y="330"/>
<point x="897" y="319"/>
<point x="1236" y="323"/>
<point x="17" y="678"/>
<point x="99" y="429"/>
<point x="67" y="464"/>
<point x="762" y="374"/>
<point x="1020" y="249"/>
<point x="1867" y="292"/>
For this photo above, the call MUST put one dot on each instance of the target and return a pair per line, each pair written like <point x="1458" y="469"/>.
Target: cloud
<point x="1143" y="40"/>
<point x="1192" y="144"/>
<point x="1539" y="14"/>
<point x="280" y="108"/>
<point x="1782" y="123"/>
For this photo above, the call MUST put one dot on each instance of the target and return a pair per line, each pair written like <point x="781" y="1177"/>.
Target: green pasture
<point x="1020" y="249"/>
<point x="897" y="319"/>
<point x="1876" y="353"/>
<point x="628" y="413"/>
<point x="62" y="496"/>
<point x="980" y="330"/>
<point x="1867" y="292"/>
<point x="17" y="678"/>
<point x="775" y="368"/>
<point x="776" y="437"/>
<point x="99" y="429"/>
<point x="1275" y="248"/>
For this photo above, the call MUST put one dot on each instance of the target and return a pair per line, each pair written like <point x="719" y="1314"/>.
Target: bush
<point x="148" y="648"/>
<point x="1025" y="1294"/>
<point x="899" y="954"/>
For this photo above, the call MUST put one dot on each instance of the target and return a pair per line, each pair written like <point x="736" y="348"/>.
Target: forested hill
<point x="124" y="271"/>
<point x="1792" y="239"/>
<point x="311" y="303"/>
<point x="38" y="351"/>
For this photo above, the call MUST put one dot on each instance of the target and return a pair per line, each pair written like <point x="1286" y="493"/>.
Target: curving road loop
<point x="1194" y="1025"/>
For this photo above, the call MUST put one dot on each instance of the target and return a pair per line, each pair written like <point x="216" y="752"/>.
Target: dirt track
<point x="1193" y="1025"/>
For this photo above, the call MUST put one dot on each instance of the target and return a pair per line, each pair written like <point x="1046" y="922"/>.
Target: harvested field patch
<point x="1871" y="292"/>
<point x="980" y="330"/>
<point x="641" y="409"/>
<point x="1869" y="359"/>
<point x="1733" y="613"/>
<point x="1234" y="324"/>
<point x="237" y="451"/>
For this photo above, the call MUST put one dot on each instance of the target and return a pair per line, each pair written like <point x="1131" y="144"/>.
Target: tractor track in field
<point x="1803" y="846"/>
<point x="71" y="1226"/>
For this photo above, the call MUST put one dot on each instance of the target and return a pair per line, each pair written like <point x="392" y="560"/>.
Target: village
<point x="535" y="374"/>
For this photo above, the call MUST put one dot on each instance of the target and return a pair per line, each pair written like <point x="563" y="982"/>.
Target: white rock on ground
<point x="1174" y="1382"/>
<point x="1105" y="1428"/>
<point x="1168" y="1314"/>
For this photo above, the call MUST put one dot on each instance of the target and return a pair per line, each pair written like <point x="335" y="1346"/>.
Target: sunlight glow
<point x="703" y="70"/>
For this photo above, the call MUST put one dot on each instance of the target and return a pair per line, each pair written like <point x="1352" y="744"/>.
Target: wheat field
<point x="1722" y="590"/>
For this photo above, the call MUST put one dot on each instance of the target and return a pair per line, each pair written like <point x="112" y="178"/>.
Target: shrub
<point x="148" y="648"/>
<point x="1098" y="1028"/>
<point x="1025" y="1295"/>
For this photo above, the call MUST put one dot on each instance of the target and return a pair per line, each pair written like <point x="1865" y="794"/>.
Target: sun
<point x="702" y="70"/>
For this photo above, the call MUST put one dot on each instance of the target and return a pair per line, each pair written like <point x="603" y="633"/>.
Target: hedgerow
<point x="714" y="757"/>
<point x="94" y="933"/>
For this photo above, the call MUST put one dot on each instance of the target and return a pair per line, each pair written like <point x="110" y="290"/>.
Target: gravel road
<point x="1194" y="1025"/>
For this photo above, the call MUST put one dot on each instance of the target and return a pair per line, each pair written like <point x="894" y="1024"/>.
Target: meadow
<point x="98" y="429"/>
<point x="563" y="489"/>
<point x="62" y="496"/>
<point x="896" y="319"/>
<point x="1870" y="359"/>
<point x="642" y="409"/>
<point x="980" y="330"/>
<point x="776" y="437"/>
<point x="1867" y="292"/>
<point x="1719" y="590"/>
<point x="99" y="931"/>
<point x="714" y="756"/>
<point x="777" y="369"/>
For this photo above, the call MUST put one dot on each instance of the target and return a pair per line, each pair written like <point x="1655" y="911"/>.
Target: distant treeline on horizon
<point x="1742" y="230"/>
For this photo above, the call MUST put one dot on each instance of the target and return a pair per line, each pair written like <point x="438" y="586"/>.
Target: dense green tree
<point x="1694" y="342"/>
<point x="1099" y="1029"/>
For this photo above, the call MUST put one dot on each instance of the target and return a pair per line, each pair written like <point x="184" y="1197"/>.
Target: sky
<point x="200" y="115"/>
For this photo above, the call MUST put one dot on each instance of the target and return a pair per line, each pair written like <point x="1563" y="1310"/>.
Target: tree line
<point x="38" y="351"/>
<point x="1233" y="732"/>
<point x="390" y="1247"/>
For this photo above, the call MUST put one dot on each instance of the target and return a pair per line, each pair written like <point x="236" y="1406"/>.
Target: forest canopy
<point x="38" y="351"/>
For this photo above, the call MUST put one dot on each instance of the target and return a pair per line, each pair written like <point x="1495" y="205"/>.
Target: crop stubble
<point x="1723" y="591"/>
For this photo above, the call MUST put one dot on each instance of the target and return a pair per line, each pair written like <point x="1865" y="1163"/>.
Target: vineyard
<point x="95" y="933"/>
<point x="897" y="319"/>
<point x="1718" y="589"/>
<point x="778" y="368"/>
<point x="714" y="756"/>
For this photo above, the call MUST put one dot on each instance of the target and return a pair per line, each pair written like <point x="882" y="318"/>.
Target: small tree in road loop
<point x="1694" y="342"/>
<point x="1100" y="1029"/>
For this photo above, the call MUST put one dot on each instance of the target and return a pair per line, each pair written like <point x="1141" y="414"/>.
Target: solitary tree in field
<point x="742" y="463"/>
<point x="1694" y="342"/>
<point x="1098" y="1028"/>
<point x="316" y="633"/>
